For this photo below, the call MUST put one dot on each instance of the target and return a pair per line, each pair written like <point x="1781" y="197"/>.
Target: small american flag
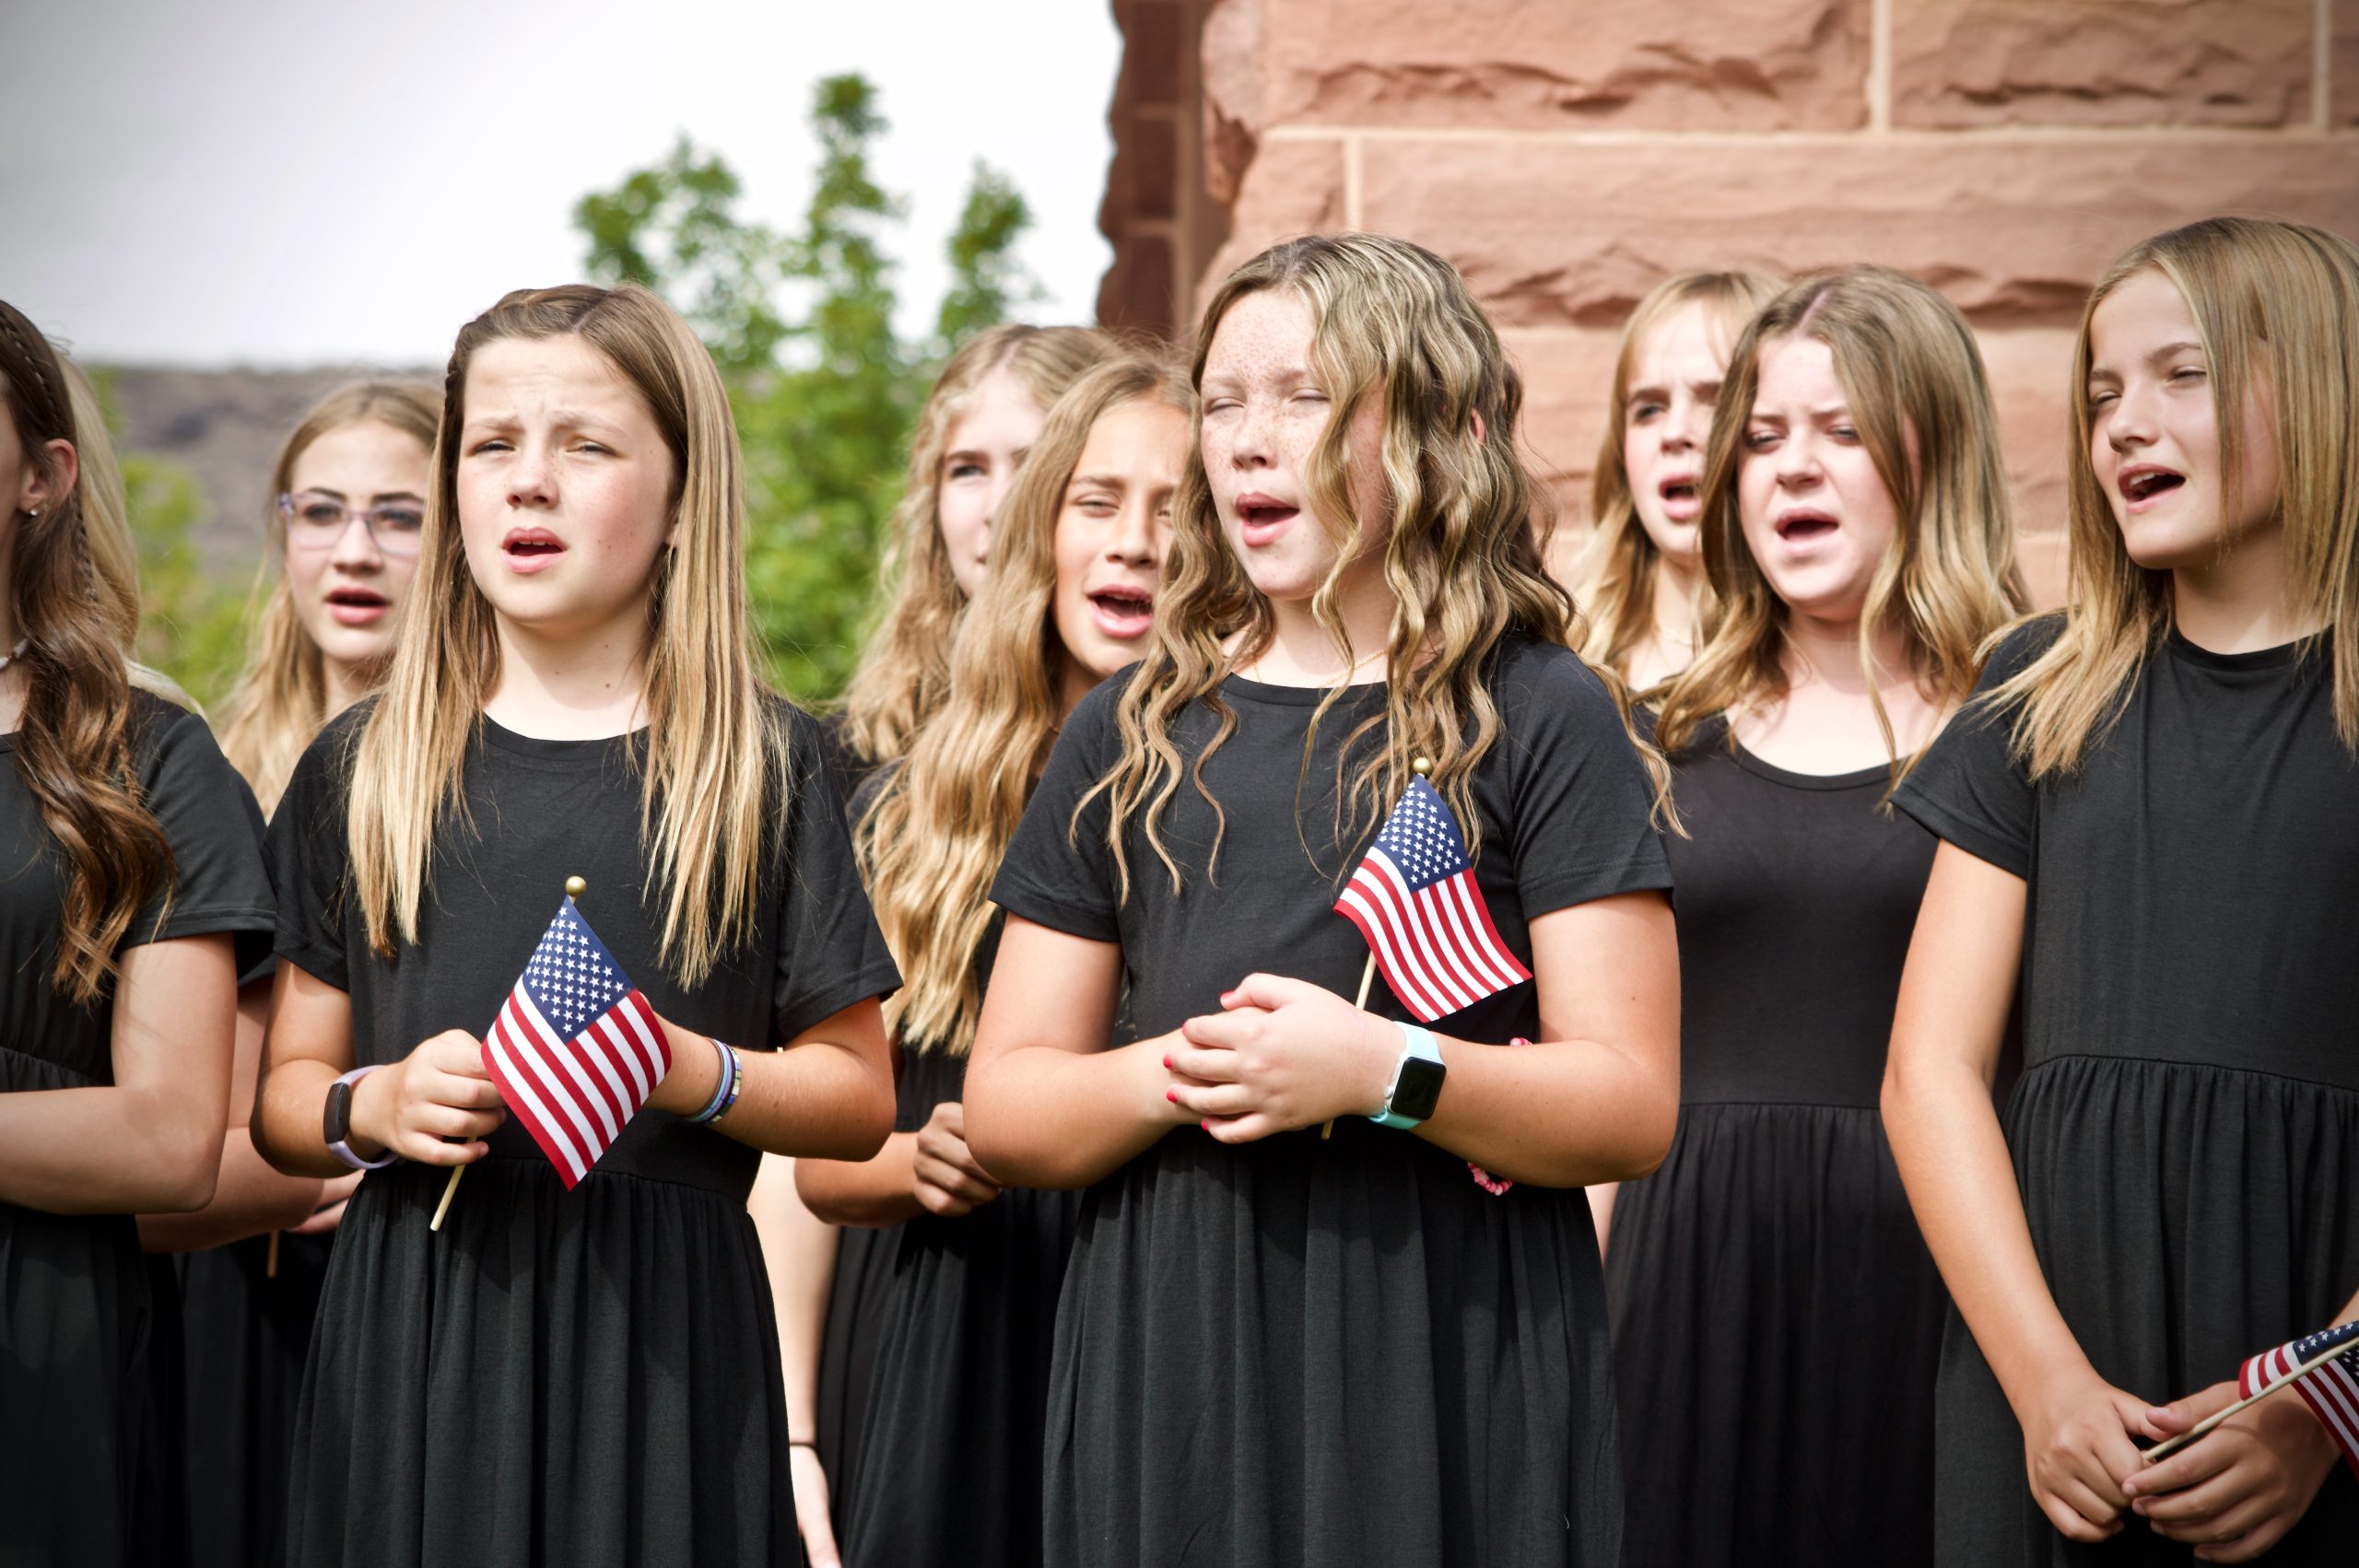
<point x="1415" y="901"/>
<point x="576" y="1049"/>
<point x="2332" y="1390"/>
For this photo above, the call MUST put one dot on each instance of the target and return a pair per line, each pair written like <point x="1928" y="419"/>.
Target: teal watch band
<point x="1416" y="1080"/>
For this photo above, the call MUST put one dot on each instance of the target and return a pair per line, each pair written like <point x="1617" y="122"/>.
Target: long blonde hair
<point x="715" y="777"/>
<point x="281" y="696"/>
<point x="2275" y="303"/>
<point x="904" y="671"/>
<point x="931" y="844"/>
<point x="1913" y="379"/>
<point x="1616" y="590"/>
<point x="1394" y="322"/>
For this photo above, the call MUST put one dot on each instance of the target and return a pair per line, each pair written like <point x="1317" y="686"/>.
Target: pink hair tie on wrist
<point x="1495" y="1186"/>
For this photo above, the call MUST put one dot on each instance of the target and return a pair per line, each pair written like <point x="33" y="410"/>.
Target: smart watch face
<point x="1419" y="1088"/>
<point x="337" y="1118"/>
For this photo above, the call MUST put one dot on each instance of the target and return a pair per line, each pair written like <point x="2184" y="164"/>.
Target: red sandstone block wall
<point x="1567" y="154"/>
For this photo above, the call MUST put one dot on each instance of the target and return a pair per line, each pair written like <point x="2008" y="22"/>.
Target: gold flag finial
<point x="575" y="887"/>
<point x="1423" y="767"/>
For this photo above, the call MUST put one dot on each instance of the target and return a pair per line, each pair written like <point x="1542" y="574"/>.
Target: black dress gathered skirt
<point x="537" y="1383"/>
<point x="1344" y="1352"/>
<point x="78" y="1321"/>
<point x="2185" y="1215"/>
<point x="1776" y="1317"/>
<point x="848" y="1356"/>
<point x="951" y="1465"/>
<point x="247" y="1332"/>
<point x="2185" y="1136"/>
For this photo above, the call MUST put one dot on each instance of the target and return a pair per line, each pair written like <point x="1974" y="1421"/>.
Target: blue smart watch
<point x="1416" y="1080"/>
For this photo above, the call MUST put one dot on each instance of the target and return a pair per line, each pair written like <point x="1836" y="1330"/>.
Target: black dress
<point x="1776" y="1318"/>
<point x="2186" y="1132"/>
<point x="247" y="1332"/>
<point x="1342" y="1353"/>
<point x="246" y="1329"/>
<point x="79" y="1311"/>
<point x="587" y="1377"/>
<point x="963" y="1328"/>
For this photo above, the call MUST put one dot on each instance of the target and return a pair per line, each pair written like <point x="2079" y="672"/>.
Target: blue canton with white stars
<point x="1421" y="838"/>
<point x="571" y="977"/>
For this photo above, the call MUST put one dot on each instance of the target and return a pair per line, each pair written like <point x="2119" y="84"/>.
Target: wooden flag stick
<point x="2170" y="1446"/>
<point x="270" y="1264"/>
<point x="574" y="888"/>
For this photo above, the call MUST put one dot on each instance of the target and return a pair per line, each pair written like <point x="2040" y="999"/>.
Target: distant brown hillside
<point x="223" y="426"/>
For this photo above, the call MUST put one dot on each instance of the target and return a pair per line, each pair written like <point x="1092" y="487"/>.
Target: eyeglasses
<point x="316" y="521"/>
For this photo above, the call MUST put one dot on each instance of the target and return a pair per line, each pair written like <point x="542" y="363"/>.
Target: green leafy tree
<point x="191" y="627"/>
<point x="824" y="394"/>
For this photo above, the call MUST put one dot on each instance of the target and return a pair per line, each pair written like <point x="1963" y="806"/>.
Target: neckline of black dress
<point x="1291" y="697"/>
<point x="1860" y="777"/>
<point x="2203" y="658"/>
<point x="533" y="748"/>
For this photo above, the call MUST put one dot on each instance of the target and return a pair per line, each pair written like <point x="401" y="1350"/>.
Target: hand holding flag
<point x="576" y="1049"/>
<point x="1415" y="901"/>
<point x="2323" y="1368"/>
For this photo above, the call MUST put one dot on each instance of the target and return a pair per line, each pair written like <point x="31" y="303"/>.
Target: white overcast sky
<point x="280" y="183"/>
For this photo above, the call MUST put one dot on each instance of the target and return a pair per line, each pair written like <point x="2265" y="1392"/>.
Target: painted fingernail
<point x="1166" y="1064"/>
<point x="1206" y="1124"/>
<point x="1172" y="1095"/>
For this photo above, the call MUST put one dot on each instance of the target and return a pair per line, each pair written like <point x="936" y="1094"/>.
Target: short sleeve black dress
<point x="963" y="1326"/>
<point x="77" y="1314"/>
<point x="2186" y="1131"/>
<point x="588" y="1377"/>
<point x="1346" y="1354"/>
<point x="1776" y="1318"/>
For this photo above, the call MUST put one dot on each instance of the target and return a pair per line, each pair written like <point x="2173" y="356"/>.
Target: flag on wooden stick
<point x="2323" y="1369"/>
<point x="1416" y="900"/>
<point x="2332" y="1390"/>
<point x="576" y="1049"/>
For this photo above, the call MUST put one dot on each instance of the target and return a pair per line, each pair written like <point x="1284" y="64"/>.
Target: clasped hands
<point x="2231" y="1495"/>
<point x="440" y="1092"/>
<point x="1280" y="1054"/>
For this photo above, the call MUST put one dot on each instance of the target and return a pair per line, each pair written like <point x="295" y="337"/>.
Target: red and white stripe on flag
<point x="2331" y="1391"/>
<point x="1439" y="950"/>
<point x="576" y="1095"/>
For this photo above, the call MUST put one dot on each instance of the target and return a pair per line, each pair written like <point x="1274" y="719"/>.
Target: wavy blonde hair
<point x="1392" y="321"/>
<point x="2276" y="304"/>
<point x="1913" y="379"/>
<point x="1616" y="590"/>
<point x="281" y="698"/>
<point x="73" y="741"/>
<point x="931" y="842"/>
<point x="713" y="782"/>
<point x="904" y="672"/>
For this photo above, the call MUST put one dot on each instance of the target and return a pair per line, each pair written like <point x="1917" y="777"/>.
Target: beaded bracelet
<point x="724" y="1093"/>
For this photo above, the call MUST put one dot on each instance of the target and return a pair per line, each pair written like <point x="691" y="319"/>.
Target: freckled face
<point x="1264" y="413"/>
<point x="1815" y="512"/>
<point x="2155" y="431"/>
<point x="985" y="446"/>
<point x="565" y="486"/>
<point x="1112" y="532"/>
<point x="1667" y="421"/>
